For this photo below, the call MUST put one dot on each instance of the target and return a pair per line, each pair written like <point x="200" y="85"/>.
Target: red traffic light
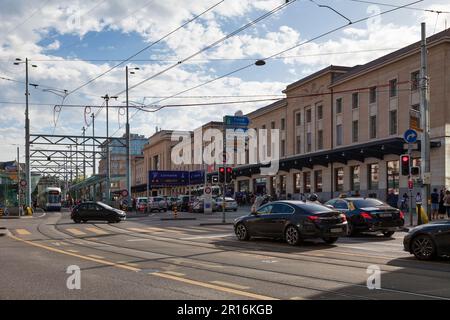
<point x="221" y="169"/>
<point x="229" y="169"/>
<point x="405" y="159"/>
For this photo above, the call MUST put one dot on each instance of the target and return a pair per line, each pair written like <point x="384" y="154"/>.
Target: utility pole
<point x="425" y="121"/>
<point x="27" y="138"/>
<point x="108" y="155"/>
<point x="19" y="187"/>
<point x="84" y="153"/>
<point x="93" y="143"/>
<point x="127" y="136"/>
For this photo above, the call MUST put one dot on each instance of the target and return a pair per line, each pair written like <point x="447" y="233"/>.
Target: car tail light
<point x="366" y="215"/>
<point x="313" y="218"/>
<point x="343" y="217"/>
<point x="402" y="215"/>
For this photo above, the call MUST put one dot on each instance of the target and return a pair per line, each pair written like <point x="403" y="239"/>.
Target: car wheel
<point x="350" y="229"/>
<point x="292" y="235"/>
<point x="388" y="234"/>
<point x="330" y="240"/>
<point x="242" y="232"/>
<point x="77" y="220"/>
<point x="423" y="247"/>
<point x="84" y="221"/>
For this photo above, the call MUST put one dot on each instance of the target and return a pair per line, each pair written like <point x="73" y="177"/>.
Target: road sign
<point x="124" y="193"/>
<point x="410" y="184"/>
<point x="207" y="200"/>
<point x="208" y="190"/>
<point x="410" y="136"/>
<point x="23" y="183"/>
<point x="236" y="121"/>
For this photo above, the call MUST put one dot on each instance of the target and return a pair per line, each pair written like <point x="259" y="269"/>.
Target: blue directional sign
<point x="168" y="178"/>
<point x="236" y="121"/>
<point x="410" y="136"/>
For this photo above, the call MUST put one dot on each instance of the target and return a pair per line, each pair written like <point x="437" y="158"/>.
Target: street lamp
<point x="260" y="62"/>
<point x="127" y="134"/>
<point x="17" y="62"/>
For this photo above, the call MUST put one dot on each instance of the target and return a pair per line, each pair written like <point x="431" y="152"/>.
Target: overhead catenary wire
<point x="398" y="6"/>
<point x="228" y="36"/>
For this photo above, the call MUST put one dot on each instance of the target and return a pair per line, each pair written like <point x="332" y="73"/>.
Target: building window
<point x="319" y="112"/>
<point x="373" y="127"/>
<point x="263" y="127"/>
<point x="416" y="107"/>
<point x="393" y="175"/>
<point x="355" y="131"/>
<point x="355" y="180"/>
<point x="355" y="100"/>
<point x="298" y="145"/>
<point x="272" y="125"/>
<point x="308" y="116"/>
<point x="320" y="139"/>
<point x="373" y="95"/>
<point x="415" y="80"/>
<point x="393" y="88"/>
<point x="283" y="148"/>
<point x="308" y="142"/>
<point x="393" y="122"/>
<point x="273" y="185"/>
<point x="318" y="181"/>
<point x="283" y="124"/>
<point x="372" y="176"/>
<point x="297" y="182"/>
<point x="307" y="182"/>
<point x="298" y="119"/>
<point x="339" y="105"/>
<point x="339" y="134"/>
<point x="283" y="185"/>
<point x="339" y="179"/>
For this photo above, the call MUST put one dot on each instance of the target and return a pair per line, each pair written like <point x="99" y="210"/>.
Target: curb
<point x="217" y="224"/>
<point x="175" y="219"/>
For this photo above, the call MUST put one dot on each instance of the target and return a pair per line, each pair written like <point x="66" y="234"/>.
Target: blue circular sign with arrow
<point x="410" y="136"/>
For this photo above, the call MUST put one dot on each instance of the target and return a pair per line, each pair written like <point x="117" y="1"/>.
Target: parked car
<point x="171" y="202"/>
<point x="429" y="241"/>
<point x="157" y="203"/>
<point x="88" y="211"/>
<point x="230" y="203"/>
<point x="184" y="203"/>
<point x="369" y="215"/>
<point x="141" y="203"/>
<point x="293" y="221"/>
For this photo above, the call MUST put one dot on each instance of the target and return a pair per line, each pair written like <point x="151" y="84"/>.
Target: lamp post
<point x="127" y="135"/>
<point x="27" y="132"/>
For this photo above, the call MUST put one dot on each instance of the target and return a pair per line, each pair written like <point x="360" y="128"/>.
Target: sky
<point x="74" y="44"/>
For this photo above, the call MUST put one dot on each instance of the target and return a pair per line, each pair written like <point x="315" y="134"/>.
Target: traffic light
<point x="405" y="162"/>
<point x="215" y="179"/>
<point x="415" y="171"/>
<point x="221" y="174"/>
<point x="229" y="175"/>
<point x="209" y="178"/>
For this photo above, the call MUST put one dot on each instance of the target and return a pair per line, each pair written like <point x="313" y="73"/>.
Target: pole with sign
<point x="207" y="199"/>
<point x="410" y="137"/>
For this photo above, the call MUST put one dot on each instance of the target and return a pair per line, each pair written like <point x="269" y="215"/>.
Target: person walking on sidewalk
<point x="447" y="203"/>
<point x="434" y="204"/>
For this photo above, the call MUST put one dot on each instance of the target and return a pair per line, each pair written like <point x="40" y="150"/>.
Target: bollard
<point x="419" y="215"/>
<point x="175" y="213"/>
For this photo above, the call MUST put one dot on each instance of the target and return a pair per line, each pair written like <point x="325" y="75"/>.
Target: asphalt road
<point x="147" y="258"/>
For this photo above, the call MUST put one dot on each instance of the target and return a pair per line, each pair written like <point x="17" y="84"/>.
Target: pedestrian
<point x="447" y="203"/>
<point x="441" y="203"/>
<point x="434" y="204"/>
<point x="392" y="199"/>
<point x="405" y="204"/>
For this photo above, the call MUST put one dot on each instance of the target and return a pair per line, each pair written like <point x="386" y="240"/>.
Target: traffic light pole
<point x="224" y="160"/>
<point x="411" y="211"/>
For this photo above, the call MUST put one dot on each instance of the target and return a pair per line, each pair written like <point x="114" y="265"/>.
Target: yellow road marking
<point x="188" y="229"/>
<point x="297" y="298"/>
<point x="229" y="284"/>
<point x="96" y="230"/>
<point x="71" y="250"/>
<point x="95" y="256"/>
<point x="23" y="232"/>
<point x="76" y="231"/>
<point x="213" y="286"/>
<point x="101" y="261"/>
<point x="178" y="274"/>
<point x="138" y="230"/>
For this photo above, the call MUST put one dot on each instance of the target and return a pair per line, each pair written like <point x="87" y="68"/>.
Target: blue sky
<point x="110" y="29"/>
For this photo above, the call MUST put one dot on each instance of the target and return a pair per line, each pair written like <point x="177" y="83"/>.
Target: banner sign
<point x="197" y="177"/>
<point x="158" y="178"/>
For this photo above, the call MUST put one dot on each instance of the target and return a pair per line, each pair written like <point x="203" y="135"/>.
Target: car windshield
<point x="314" y="208"/>
<point x="104" y="205"/>
<point x="364" y="203"/>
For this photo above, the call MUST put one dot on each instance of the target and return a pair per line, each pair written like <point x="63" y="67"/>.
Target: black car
<point x="292" y="221"/>
<point x="428" y="241"/>
<point x="369" y="215"/>
<point x="96" y="211"/>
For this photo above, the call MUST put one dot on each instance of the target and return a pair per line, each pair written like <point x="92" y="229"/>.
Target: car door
<point x="273" y="225"/>
<point x="92" y="213"/>
<point x="442" y="237"/>
<point x="255" y="222"/>
<point x="82" y="212"/>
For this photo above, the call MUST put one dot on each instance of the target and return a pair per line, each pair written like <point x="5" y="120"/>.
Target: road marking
<point x="75" y="232"/>
<point x="209" y="237"/>
<point x="74" y="251"/>
<point x="23" y="232"/>
<point x="96" y="230"/>
<point x="213" y="286"/>
<point x="101" y="261"/>
<point x="297" y="298"/>
<point x="229" y="284"/>
<point x="187" y="229"/>
<point x="131" y="264"/>
<point x="202" y="264"/>
<point x="138" y="240"/>
<point x="178" y="274"/>
<point x="95" y="256"/>
<point x="139" y="230"/>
